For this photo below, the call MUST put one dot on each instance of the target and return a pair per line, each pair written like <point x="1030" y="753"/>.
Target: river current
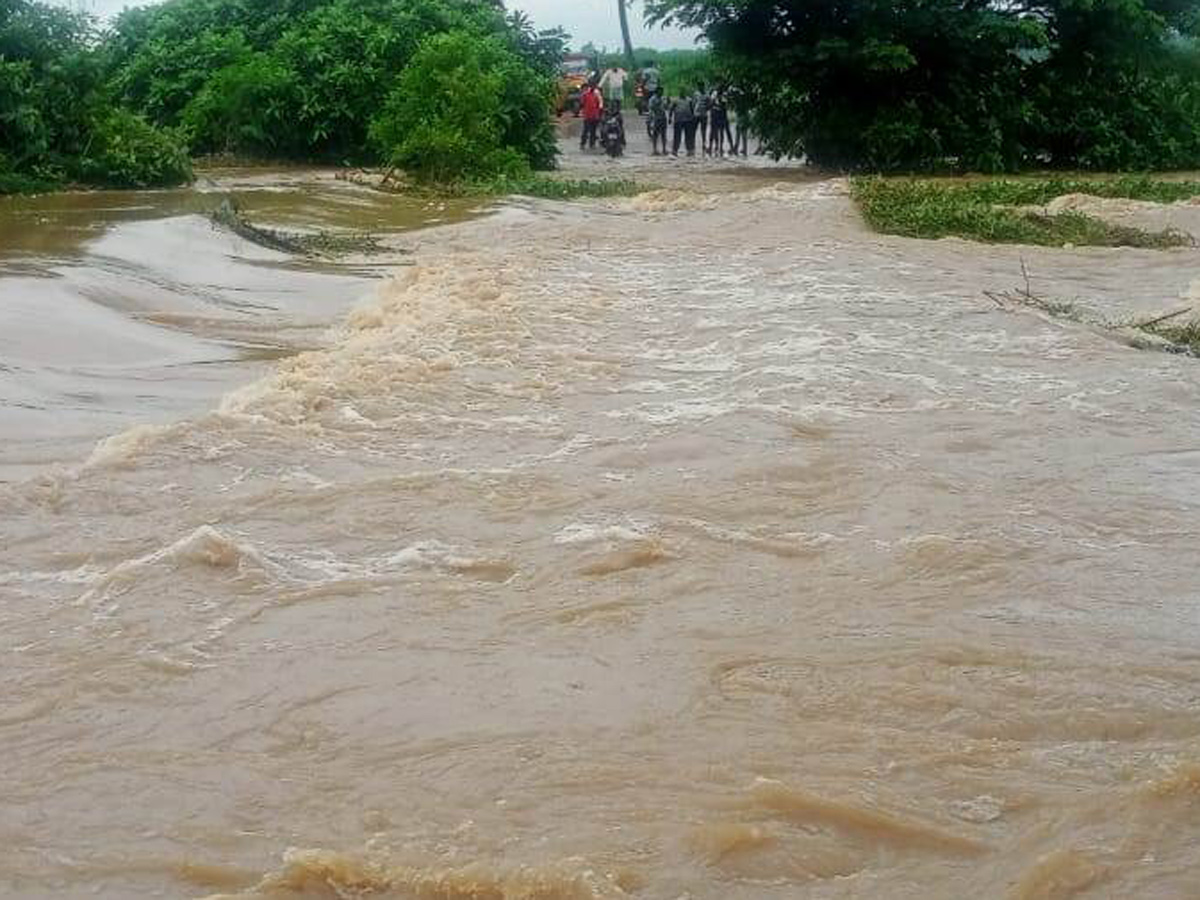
<point x="699" y="545"/>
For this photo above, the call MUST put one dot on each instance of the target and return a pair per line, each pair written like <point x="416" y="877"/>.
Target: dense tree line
<point x="452" y="89"/>
<point x="985" y="85"/>
<point x="58" y="121"/>
<point x="444" y="88"/>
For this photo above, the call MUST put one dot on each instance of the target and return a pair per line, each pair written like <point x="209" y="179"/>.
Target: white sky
<point x="586" y="20"/>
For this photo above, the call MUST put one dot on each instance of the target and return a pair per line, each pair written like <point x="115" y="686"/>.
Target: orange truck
<point x="576" y="69"/>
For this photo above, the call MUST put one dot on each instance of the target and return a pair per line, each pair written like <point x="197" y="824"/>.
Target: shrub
<point x="246" y="108"/>
<point x="300" y="79"/>
<point x="126" y="151"/>
<point x="466" y="107"/>
<point x="56" y="121"/>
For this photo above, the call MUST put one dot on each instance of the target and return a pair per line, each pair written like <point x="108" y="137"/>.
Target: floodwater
<point x="122" y="308"/>
<point x="703" y="545"/>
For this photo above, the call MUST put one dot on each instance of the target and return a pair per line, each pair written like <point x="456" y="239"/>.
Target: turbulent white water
<point x="698" y="545"/>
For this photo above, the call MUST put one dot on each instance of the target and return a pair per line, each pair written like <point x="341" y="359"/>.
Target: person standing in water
<point x="719" y="125"/>
<point x="613" y="84"/>
<point x="700" y="103"/>
<point x="683" y="114"/>
<point x="657" y="115"/>
<point x="591" y="104"/>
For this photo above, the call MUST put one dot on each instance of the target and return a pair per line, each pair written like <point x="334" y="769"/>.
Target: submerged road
<point x="703" y="544"/>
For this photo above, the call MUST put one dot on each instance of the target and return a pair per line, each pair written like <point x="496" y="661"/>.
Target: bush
<point x="127" y="152"/>
<point x="56" y="121"/>
<point x="466" y="107"/>
<point x="12" y="182"/>
<point x="299" y="79"/>
<point x="245" y="108"/>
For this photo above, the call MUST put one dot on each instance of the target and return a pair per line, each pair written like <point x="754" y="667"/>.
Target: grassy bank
<point x="542" y="186"/>
<point x="1001" y="211"/>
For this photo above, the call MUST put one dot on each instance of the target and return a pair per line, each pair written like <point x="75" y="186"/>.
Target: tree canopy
<point x="56" y="121"/>
<point x="962" y="83"/>
<point x="290" y="79"/>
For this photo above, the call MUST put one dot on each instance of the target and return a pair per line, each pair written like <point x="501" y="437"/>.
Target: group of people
<point x="705" y="113"/>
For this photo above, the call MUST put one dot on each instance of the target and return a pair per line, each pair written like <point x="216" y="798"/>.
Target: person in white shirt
<point x="613" y="84"/>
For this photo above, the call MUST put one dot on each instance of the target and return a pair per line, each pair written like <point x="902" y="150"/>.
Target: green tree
<point x="56" y="121"/>
<point x="467" y="107"/>
<point x="960" y="83"/>
<point x="299" y="79"/>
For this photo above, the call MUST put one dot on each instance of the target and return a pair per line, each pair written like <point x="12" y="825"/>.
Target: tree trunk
<point x="630" y="62"/>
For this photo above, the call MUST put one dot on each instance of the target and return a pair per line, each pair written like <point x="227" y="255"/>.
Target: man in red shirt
<point x="591" y="102"/>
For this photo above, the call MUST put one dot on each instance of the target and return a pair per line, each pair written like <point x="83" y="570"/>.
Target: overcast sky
<point x="586" y="20"/>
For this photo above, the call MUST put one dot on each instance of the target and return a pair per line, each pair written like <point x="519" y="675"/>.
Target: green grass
<point x="545" y="187"/>
<point x="989" y="210"/>
<point x="548" y="188"/>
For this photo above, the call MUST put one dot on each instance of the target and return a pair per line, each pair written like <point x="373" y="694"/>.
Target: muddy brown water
<point x="122" y="308"/>
<point x="704" y="545"/>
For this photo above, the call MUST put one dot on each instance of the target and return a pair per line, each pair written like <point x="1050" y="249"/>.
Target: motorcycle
<point x="641" y="97"/>
<point x="612" y="133"/>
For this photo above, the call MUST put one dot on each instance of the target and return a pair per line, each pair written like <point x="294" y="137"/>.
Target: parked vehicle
<point x="576" y="69"/>
<point x="641" y="97"/>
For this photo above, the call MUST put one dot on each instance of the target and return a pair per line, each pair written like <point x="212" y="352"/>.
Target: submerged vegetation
<point x="1181" y="337"/>
<point x="541" y="185"/>
<point x="1174" y="332"/>
<point x="547" y="187"/>
<point x="1007" y="210"/>
<point x="302" y="243"/>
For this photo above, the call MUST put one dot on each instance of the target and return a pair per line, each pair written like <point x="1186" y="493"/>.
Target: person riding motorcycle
<point x="612" y="129"/>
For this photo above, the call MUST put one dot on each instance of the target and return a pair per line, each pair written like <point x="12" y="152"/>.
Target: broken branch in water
<point x="1145" y="335"/>
<point x="1166" y="318"/>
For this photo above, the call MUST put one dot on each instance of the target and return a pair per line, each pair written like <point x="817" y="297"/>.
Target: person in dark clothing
<point x="683" y="114"/>
<point x="591" y="103"/>
<point x="718" y="125"/>
<point x="700" y="105"/>
<point x="657" y="119"/>
<point x="741" y="111"/>
<point x="612" y="129"/>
